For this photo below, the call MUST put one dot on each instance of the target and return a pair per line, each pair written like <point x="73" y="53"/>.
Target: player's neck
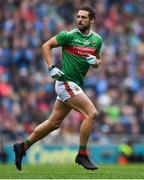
<point x="86" y="32"/>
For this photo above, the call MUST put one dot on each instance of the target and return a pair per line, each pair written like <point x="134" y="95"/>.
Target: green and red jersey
<point x="75" y="48"/>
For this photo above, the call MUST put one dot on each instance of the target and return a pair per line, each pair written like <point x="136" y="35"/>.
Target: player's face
<point x="83" y="20"/>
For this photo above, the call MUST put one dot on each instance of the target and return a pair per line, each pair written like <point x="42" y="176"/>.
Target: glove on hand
<point x="91" y="59"/>
<point x="55" y="72"/>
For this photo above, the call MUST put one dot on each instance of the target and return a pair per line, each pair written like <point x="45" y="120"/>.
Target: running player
<point x="80" y="49"/>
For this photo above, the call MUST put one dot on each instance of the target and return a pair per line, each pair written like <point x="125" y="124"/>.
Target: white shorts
<point x="66" y="90"/>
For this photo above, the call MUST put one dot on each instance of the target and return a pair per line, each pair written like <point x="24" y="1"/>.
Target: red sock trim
<point x="83" y="152"/>
<point x="27" y="144"/>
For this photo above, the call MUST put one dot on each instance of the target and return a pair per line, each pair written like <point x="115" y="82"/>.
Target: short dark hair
<point x="92" y="14"/>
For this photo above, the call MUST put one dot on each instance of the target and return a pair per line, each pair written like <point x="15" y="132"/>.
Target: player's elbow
<point x="46" y="46"/>
<point x="51" y="43"/>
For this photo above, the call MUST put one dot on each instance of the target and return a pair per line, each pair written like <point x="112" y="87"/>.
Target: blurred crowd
<point x="116" y="88"/>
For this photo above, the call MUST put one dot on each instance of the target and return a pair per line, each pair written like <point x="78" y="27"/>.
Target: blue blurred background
<point x="27" y="92"/>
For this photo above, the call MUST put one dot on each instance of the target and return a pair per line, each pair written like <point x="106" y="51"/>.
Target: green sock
<point x="82" y="147"/>
<point x="27" y="144"/>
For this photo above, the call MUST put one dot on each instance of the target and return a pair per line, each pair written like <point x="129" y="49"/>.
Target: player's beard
<point x="83" y="28"/>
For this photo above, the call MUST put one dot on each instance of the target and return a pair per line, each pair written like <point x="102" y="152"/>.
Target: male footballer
<point x="80" y="49"/>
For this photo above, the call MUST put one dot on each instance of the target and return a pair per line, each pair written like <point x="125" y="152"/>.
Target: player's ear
<point x="92" y="21"/>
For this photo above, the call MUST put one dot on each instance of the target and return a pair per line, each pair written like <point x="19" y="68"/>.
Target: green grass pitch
<point x="72" y="171"/>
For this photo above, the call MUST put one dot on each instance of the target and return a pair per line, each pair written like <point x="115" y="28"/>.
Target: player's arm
<point x="47" y="53"/>
<point x="47" y="50"/>
<point x="60" y="39"/>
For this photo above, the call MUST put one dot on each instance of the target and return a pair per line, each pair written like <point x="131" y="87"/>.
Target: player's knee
<point x="93" y="114"/>
<point x="55" y="125"/>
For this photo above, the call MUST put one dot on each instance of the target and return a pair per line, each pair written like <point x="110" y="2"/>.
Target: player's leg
<point x="83" y="104"/>
<point x="59" y="112"/>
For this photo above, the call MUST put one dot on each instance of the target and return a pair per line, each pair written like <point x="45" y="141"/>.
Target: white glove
<point x="91" y="59"/>
<point x="54" y="72"/>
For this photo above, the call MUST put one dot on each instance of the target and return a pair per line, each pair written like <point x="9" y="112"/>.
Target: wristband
<point x="51" y="67"/>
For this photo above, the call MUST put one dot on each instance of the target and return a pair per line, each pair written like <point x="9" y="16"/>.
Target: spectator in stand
<point x="24" y="25"/>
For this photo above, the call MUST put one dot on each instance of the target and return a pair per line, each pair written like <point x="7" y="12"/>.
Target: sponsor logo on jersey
<point x="77" y="41"/>
<point x="81" y="51"/>
<point x="86" y="42"/>
<point x="82" y="42"/>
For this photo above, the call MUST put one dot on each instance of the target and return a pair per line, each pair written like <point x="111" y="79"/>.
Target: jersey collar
<point x="86" y="35"/>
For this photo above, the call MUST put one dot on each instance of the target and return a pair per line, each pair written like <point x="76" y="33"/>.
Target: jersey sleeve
<point x="99" y="46"/>
<point x="62" y="38"/>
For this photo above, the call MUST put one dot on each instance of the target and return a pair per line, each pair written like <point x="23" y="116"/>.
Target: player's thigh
<point x="82" y="104"/>
<point x="60" y="111"/>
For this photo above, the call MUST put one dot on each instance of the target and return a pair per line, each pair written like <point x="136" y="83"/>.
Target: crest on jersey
<point x="93" y="43"/>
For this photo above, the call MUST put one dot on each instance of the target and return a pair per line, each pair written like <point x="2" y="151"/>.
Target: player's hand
<point x="91" y="59"/>
<point x="55" y="72"/>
